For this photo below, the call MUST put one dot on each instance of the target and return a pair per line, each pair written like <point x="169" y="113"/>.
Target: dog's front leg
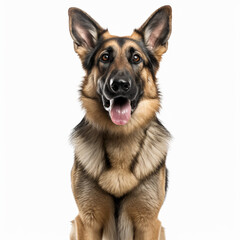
<point x="152" y="231"/>
<point x="142" y="206"/>
<point x="96" y="208"/>
<point x="81" y="232"/>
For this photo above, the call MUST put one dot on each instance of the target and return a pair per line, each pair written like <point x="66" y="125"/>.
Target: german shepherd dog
<point x="119" y="177"/>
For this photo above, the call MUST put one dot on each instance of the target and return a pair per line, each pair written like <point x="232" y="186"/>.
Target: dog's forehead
<point x="121" y="44"/>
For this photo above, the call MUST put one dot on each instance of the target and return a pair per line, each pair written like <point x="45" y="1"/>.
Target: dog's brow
<point x="109" y="49"/>
<point x="121" y="40"/>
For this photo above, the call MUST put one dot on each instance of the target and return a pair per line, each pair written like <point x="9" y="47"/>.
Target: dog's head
<point x="120" y="91"/>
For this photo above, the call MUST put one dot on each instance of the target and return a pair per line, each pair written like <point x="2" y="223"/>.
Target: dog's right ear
<point x="83" y="29"/>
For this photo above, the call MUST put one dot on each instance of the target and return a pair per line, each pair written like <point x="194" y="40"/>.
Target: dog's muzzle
<point x="119" y="94"/>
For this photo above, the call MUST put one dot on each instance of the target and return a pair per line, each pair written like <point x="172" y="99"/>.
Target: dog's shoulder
<point x="161" y="130"/>
<point x="88" y="147"/>
<point x="153" y="151"/>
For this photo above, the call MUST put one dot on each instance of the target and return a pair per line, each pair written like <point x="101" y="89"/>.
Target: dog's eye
<point x="105" y="57"/>
<point x="136" y="58"/>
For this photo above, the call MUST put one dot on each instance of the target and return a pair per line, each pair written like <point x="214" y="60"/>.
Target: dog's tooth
<point x="107" y="108"/>
<point x="111" y="103"/>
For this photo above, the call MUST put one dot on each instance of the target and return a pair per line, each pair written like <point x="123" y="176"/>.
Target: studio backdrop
<point x="199" y="82"/>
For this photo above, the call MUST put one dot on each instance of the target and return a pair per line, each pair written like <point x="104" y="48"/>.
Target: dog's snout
<point x="119" y="85"/>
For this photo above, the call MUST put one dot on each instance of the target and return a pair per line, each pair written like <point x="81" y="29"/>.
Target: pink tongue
<point x="120" y="113"/>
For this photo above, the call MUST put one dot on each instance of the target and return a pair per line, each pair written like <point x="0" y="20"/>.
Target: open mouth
<point x="119" y="109"/>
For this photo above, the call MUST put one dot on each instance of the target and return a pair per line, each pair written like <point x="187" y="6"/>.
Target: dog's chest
<point x="119" y="163"/>
<point x="121" y="152"/>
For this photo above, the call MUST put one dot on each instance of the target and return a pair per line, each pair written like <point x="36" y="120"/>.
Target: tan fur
<point x="138" y="119"/>
<point x="90" y="98"/>
<point x="119" y="172"/>
<point x="119" y="180"/>
<point x="155" y="153"/>
<point x="95" y="111"/>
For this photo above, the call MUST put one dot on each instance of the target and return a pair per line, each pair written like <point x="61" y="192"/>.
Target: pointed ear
<point x="157" y="29"/>
<point x="83" y="29"/>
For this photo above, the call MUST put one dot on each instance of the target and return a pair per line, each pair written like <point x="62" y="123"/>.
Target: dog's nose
<point x="120" y="85"/>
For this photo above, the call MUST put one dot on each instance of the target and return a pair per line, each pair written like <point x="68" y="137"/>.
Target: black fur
<point x="90" y="58"/>
<point x="135" y="160"/>
<point x="121" y="41"/>
<point x="166" y="181"/>
<point x="117" y="205"/>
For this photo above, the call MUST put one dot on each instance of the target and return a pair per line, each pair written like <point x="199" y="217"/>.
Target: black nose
<point x="120" y="85"/>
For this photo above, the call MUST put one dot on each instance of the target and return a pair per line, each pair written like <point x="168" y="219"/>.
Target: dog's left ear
<point x="157" y="29"/>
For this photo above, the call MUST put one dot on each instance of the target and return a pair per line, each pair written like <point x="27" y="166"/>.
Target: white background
<point x="199" y="80"/>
